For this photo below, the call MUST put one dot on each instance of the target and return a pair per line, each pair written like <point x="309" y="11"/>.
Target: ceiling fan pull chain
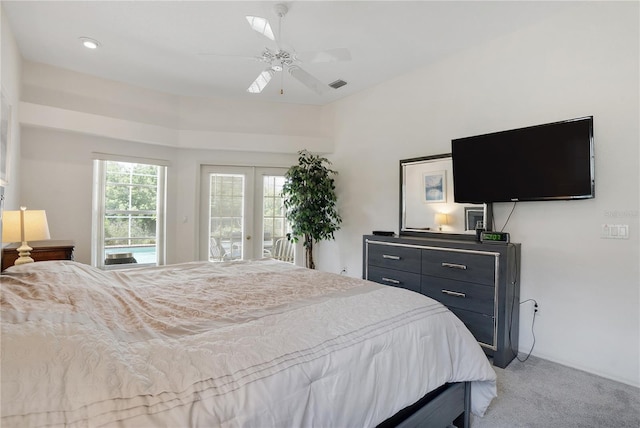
<point x="281" y="83"/>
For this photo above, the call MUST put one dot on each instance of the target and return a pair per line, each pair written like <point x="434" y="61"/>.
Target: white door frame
<point x="252" y="211"/>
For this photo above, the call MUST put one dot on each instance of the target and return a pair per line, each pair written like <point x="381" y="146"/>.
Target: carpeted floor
<point x="539" y="393"/>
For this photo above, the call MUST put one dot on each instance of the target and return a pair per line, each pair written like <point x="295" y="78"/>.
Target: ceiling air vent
<point x="337" y="84"/>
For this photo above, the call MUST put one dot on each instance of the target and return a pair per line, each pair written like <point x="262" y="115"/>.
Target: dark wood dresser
<point x="479" y="283"/>
<point x="42" y="251"/>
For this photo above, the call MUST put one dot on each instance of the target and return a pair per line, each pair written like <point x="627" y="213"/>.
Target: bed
<point x="258" y="343"/>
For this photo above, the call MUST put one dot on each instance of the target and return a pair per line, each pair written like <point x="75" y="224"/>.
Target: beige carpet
<point x="539" y="393"/>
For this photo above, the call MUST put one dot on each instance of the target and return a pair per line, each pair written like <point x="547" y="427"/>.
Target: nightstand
<point x="42" y="251"/>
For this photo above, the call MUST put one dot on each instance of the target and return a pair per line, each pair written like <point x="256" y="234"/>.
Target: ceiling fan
<point x="280" y="59"/>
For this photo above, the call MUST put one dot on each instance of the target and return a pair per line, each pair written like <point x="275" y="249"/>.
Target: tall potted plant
<point x="310" y="202"/>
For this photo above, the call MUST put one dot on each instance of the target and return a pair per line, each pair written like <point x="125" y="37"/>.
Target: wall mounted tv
<point x="544" y="162"/>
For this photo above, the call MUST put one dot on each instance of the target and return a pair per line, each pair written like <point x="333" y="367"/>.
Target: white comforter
<point x="240" y="344"/>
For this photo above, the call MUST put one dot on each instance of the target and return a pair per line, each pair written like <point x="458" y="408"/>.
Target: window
<point x="129" y="212"/>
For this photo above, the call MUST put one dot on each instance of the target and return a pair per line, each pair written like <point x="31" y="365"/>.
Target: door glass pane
<point x="273" y="220"/>
<point x="226" y="208"/>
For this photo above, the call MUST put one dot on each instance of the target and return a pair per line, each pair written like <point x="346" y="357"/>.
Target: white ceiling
<point x="159" y="45"/>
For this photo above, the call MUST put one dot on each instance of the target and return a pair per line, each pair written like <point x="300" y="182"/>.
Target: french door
<point x="241" y="212"/>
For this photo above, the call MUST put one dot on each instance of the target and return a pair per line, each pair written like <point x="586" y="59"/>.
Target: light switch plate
<point x="614" y="231"/>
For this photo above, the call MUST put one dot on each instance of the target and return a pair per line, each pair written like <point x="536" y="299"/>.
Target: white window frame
<point x="98" y="208"/>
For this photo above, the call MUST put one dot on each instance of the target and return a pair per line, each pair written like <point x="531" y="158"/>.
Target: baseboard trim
<point x="589" y="370"/>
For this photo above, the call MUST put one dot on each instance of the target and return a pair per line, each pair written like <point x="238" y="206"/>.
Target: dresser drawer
<point x="458" y="294"/>
<point x="481" y="326"/>
<point x="469" y="267"/>
<point x="394" y="257"/>
<point x="396" y="278"/>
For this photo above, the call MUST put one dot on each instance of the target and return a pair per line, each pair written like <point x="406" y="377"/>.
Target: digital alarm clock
<point x="494" y="237"/>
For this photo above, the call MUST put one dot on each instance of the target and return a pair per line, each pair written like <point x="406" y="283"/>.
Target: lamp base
<point x="25" y="254"/>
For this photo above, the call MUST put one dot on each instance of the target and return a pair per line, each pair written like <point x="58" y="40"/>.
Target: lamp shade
<point x="441" y="219"/>
<point x="35" y="226"/>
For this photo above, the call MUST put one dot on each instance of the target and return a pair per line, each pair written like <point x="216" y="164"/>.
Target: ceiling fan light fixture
<point x="261" y="25"/>
<point x="276" y="67"/>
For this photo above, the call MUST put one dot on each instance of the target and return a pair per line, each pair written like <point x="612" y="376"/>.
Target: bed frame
<point x="445" y="406"/>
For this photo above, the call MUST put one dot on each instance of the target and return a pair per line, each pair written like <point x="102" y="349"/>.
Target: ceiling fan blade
<point x="262" y="26"/>
<point x="331" y="55"/>
<point x="306" y="79"/>
<point x="261" y="81"/>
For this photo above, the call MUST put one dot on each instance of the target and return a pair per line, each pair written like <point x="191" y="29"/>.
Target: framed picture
<point x="435" y="189"/>
<point x="472" y="216"/>
<point x="5" y="125"/>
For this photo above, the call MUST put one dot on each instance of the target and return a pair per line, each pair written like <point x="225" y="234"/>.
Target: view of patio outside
<point x="131" y="193"/>
<point x="226" y="208"/>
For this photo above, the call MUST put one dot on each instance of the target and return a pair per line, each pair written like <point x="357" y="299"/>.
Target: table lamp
<point x="23" y="226"/>
<point x="441" y="219"/>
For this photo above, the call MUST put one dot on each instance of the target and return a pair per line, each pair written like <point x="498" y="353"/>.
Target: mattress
<point x="237" y="344"/>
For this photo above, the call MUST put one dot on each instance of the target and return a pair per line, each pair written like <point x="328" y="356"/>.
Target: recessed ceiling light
<point x="89" y="43"/>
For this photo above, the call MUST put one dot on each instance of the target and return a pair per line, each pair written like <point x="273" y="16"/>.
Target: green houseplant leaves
<point x="310" y="202"/>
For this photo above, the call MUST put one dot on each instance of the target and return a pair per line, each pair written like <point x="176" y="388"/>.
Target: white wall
<point x="55" y="98"/>
<point x="10" y="72"/>
<point x="582" y="62"/>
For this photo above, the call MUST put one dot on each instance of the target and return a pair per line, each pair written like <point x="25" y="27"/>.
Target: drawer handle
<point x="454" y="293"/>
<point x="393" y="281"/>
<point x="388" y="256"/>
<point x="454" y="266"/>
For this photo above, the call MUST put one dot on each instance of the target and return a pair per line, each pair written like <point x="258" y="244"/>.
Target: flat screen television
<point x="536" y="163"/>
